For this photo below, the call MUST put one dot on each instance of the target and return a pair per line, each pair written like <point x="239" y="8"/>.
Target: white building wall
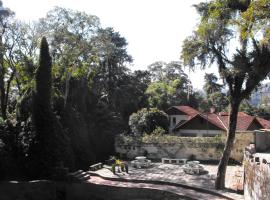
<point x="178" y="118"/>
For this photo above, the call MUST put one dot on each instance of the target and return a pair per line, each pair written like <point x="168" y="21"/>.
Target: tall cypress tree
<point x="44" y="78"/>
<point x="51" y="145"/>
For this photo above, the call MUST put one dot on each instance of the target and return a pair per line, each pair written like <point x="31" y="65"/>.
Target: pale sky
<point x="154" y="29"/>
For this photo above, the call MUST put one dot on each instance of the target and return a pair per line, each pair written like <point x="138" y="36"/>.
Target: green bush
<point x="147" y="120"/>
<point x="2" y="121"/>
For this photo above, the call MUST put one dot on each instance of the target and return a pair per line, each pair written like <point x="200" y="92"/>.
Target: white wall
<point x="178" y="119"/>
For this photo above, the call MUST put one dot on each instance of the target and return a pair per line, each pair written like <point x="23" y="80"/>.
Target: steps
<point x="79" y="176"/>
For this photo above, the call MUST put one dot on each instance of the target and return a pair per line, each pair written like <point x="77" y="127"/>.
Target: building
<point x="186" y="121"/>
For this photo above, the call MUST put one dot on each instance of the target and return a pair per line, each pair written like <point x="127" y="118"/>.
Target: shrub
<point x="2" y="121"/>
<point x="147" y="120"/>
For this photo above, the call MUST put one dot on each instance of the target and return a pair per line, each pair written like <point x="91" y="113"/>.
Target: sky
<point x="154" y="29"/>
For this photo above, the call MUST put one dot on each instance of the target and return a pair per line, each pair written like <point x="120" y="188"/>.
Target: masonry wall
<point x="257" y="178"/>
<point x="201" y="148"/>
<point x="242" y="140"/>
<point x="176" y="147"/>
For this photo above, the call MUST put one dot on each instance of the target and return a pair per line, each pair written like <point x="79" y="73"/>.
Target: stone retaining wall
<point x="200" y="148"/>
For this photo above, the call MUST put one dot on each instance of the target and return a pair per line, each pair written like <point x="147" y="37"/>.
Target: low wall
<point x="46" y="190"/>
<point x="157" y="147"/>
<point x="257" y="177"/>
<point x="200" y="148"/>
<point x="242" y="140"/>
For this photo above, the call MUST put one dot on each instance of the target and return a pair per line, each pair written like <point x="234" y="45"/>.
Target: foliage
<point x="263" y="112"/>
<point x="158" y="131"/>
<point x="170" y="86"/>
<point x="5" y="76"/>
<point x="1" y="121"/>
<point x="51" y="147"/>
<point x="145" y="121"/>
<point x="215" y="97"/>
<point x="243" y="66"/>
<point x="211" y="86"/>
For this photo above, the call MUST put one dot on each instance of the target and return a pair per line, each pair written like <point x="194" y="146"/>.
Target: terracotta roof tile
<point x="264" y="123"/>
<point x="243" y="121"/>
<point x="188" y="110"/>
<point x="214" y="119"/>
<point x="221" y="120"/>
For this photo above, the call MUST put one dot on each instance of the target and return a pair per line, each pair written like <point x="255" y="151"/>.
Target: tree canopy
<point x="242" y="65"/>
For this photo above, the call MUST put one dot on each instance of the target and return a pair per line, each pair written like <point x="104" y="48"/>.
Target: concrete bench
<point x="95" y="167"/>
<point x="193" y="169"/>
<point x="174" y="161"/>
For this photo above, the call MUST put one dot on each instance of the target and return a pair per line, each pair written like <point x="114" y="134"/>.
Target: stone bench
<point x="141" y="163"/>
<point x="173" y="161"/>
<point x="96" y="167"/>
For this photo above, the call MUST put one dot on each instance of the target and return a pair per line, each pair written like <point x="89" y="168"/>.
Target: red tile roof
<point x="243" y="121"/>
<point x="214" y="119"/>
<point x="187" y="109"/>
<point x="221" y="120"/>
<point x="264" y="123"/>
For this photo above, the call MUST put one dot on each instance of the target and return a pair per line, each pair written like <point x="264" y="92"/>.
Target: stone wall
<point x="47" y="190"/>
<point x="157" y="147"/>
<point x="242" y="140"/>
<point x="257" y="176"/>
<point x="201" y="148"/>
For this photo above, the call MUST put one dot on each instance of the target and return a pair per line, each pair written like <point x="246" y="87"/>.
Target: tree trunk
<point x="2" y="82"/>
<point x="2" y="97"/>
<point x="221" y="173"/>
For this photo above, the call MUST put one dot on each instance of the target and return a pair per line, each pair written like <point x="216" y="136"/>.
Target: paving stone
<point x="175" y="174"/>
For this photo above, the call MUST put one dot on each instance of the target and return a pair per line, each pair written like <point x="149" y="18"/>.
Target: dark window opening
<point x="174" y="121"/>
<point x="201" y="121"/>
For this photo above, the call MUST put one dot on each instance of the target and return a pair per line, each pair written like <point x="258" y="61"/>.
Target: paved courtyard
<point x="175" y="174"/>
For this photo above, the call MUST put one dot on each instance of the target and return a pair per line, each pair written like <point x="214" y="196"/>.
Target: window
<point x="173" y="121"/>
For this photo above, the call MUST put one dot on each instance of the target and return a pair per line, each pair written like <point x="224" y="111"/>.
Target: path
<point x="175" y="174"/>
<point x="177" y="190"/>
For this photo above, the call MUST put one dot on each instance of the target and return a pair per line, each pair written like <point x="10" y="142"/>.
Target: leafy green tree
<point x="211" y="86"/>
<point x="215" y="97"/>
<point x="146" y="121"/>
<point x="110" y="47"/>
<point x="70" y="34"/>
<point x="165" y="94"/>
<point x="170" y="86"/>
<point x="161" y="71"/>
<point x="21" y="44"/>
<point x="5" y="15"/>
<point x="219" y="100"/>
<point x="130" y="94"/>
<point x="243" y="67"/>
